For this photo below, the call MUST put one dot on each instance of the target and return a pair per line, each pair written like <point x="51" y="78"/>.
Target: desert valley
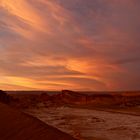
<point x="82" y="115"/>
<point x="69" y="69"/>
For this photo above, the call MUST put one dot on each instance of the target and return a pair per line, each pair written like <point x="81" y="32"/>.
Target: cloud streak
<point x="74" y="44"/>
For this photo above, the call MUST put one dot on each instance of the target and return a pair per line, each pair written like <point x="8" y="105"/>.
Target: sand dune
<point x="15" y="125"/>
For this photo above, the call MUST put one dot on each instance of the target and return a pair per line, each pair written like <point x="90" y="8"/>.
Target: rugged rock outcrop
<point x="73" y="97"/>
<point x="105" y="99"/>
<point x="45" y="97"/>
<point x="4" y="97"/>
<point x="96" y="99"/>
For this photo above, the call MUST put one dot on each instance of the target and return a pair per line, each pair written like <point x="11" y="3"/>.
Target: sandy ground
<point x="87" y="124"/>
<point x="15" y="125"/>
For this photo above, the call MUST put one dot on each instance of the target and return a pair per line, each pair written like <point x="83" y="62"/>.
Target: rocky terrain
<point x="66" y="97"/>
<point x="16" y="125"/>
<point x="96" y="99"/>
<point x="90" y="124"/>
<point x="84" y="115"/>
<point x="4" y="97"/>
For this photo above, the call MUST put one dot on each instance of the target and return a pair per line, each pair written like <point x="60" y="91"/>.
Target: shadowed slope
<point x="16" y="125"/>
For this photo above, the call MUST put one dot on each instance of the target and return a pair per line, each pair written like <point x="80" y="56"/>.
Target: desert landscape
<point x="15" y="125"/>
<point x="83" y="115"/>
<point x="69" y="69"/>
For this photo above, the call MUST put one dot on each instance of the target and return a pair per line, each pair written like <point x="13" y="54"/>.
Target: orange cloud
<point x="23" y="10"/>
<point x="69" y="44"/>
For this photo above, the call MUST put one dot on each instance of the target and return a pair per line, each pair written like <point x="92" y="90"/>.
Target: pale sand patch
<point x="88" y="124"/>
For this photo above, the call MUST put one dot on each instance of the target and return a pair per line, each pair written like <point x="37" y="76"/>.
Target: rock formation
<point x="4" y="97"/>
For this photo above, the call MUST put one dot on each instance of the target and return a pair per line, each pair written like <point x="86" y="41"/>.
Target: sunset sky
<point x="70" y="44"/>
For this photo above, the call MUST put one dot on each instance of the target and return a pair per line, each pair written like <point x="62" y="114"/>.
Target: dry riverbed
<point x="86" y="124"/>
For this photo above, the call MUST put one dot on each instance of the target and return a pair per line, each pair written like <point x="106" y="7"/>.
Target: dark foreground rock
<point x="15" y="125"/>
<point x="4" y="98"/>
